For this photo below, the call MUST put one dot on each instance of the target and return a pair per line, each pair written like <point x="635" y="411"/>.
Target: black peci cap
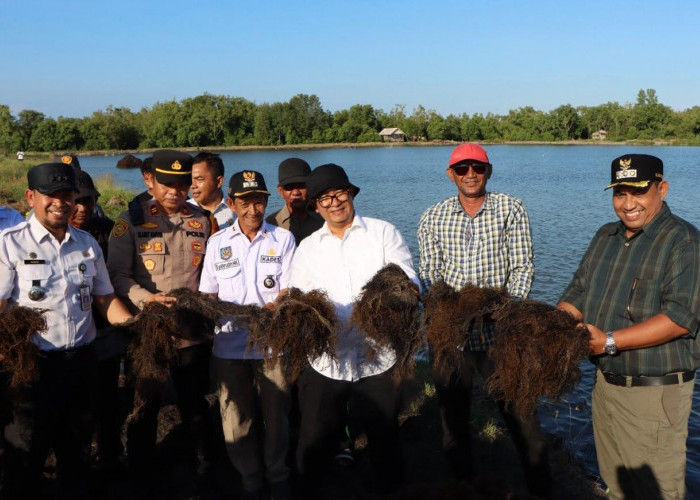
<point x="326" y="177"/>
<point x="247" y="182"/>
<point x="292" y="171"/>
<point x="170" y="166"/>
<point x="48" y="178"/>
<point x="85" y="186"/>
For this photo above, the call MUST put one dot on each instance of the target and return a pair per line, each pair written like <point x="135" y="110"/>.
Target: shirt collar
<point x="357" y="222"/>
<point x="264" y="231"/>
<point x="486" y="205"/>
<point x="651" y="229"/>
<point x="40" y="232"/>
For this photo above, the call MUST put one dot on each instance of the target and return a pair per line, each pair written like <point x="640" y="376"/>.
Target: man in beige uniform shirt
<point x="146" y="262"/>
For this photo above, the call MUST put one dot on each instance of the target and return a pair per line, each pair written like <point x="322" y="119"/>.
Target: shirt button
<point x="627" y="244"/>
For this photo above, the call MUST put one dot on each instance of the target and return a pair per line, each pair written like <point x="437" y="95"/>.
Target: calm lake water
<point x="562" y="188"/>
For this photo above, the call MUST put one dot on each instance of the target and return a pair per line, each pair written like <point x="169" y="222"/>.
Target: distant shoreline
<point x="352" y="145"/>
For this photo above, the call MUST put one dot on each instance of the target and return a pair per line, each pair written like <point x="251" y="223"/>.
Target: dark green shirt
<point x="623" y="281"/>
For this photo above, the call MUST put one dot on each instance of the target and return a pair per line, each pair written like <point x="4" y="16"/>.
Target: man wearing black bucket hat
<point x="483" y="238"/>
<point x="340" y="258"/>
<point x="295" y="215"/>
<point x="249" y="263"/>
<point x="637" y="289"/>
<point x="145" y="262"/>
<point x="47" y="264"/>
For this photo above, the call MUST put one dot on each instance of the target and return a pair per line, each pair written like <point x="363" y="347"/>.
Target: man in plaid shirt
<point x="482" y="238"/>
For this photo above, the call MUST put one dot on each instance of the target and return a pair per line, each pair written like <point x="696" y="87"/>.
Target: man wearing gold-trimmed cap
<point x="639" y="281"/>
<point x="147" y="261"/>
<point x="248" y="263"/>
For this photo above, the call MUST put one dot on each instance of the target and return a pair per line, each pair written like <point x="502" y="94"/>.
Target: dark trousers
<point x="55" y="412"/>
<point x="455" y="397"/>
<point x="190" y="375"/>
<point x="373" y="402"/>
<point x="254" y="401"/>
<point x="107" y="417"/>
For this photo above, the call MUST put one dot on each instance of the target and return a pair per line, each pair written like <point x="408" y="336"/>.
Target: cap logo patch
<point x="176" y="165"/>
<point x="120" y="228"/>
<point x="626" y="172"/>
<point x="249" y="176"/>
<point x="225" y="253"/>
<point x="67" y="159"/>
<point x="150" y="264"/>
<point x="149" y="225"/>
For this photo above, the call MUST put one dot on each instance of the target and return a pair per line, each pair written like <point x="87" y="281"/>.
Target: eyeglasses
<point x="327" y="200"/>
<point x="479" y="168"/>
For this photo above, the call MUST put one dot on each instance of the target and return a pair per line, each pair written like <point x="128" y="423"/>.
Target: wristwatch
<point x="610" y="345"/>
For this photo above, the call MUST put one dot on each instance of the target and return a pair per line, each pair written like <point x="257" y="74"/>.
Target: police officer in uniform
<point x="45" y="263"/>
<point x="249" y="263"/>
<point x="145" y="262"/>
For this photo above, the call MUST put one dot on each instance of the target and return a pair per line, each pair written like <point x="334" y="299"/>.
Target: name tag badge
<point x="85" y="297"/>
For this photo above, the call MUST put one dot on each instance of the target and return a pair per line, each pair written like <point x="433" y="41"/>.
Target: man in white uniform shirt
<point x="47" y="264"/>
<point x="249" y="263"/>
<point x="340" y="258"/>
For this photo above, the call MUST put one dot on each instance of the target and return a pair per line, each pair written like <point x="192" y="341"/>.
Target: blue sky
<point x="71" y="58"/>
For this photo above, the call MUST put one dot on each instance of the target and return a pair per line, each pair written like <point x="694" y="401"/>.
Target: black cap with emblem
<point x="48" y="178"/>
<point x="172" y="167"/>
<point x="247" y="182"/>
<point x="635" y="170"/>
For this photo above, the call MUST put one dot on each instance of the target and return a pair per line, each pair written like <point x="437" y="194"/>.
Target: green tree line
<point x="219" y="120"/>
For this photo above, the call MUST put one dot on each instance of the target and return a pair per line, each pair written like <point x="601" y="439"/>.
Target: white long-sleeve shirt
<point x="341" y="267"/>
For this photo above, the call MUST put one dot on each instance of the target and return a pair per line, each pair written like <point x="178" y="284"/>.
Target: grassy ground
<point x="13" y="173"/>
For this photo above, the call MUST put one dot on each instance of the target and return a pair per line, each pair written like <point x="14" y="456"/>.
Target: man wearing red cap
<point x="482" y="238"/>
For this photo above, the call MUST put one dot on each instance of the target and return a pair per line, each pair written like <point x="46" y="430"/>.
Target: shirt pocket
<point x="28" y="273"/>
<point x="230" y="282"/>
<point x="269" y="275"/>
<point x="643" y="299"/>
<point x="153" y="262"/>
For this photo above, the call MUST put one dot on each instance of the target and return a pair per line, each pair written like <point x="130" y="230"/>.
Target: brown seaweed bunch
<point x="151" y="351"/>
<point x="18" y="325"/>
<point x="537" y="351"/>
<point x="451" y="316"/>
<point x="387" y="312"/>
<point x="302" y="326"/>
<point x="154" y="331"/>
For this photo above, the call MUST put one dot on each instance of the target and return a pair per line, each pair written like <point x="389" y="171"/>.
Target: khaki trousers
<point x="640" y="435"/>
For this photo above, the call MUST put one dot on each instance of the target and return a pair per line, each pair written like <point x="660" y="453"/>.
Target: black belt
<point x="633" y="381"/>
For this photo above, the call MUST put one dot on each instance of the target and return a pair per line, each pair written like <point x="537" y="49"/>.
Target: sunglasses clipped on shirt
<point x="479" y="168"/>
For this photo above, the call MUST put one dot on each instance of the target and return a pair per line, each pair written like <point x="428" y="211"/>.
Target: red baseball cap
<point x="469" y="151"/>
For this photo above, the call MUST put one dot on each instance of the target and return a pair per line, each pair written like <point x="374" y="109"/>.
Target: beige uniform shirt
<point x="160" y="255"/>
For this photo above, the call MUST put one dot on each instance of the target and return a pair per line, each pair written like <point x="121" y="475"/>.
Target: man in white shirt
<point x="207" y="179"/>
<point x="249" y="263"/>
<point x="340" y="258"/>
<point x="47" y="264"/>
